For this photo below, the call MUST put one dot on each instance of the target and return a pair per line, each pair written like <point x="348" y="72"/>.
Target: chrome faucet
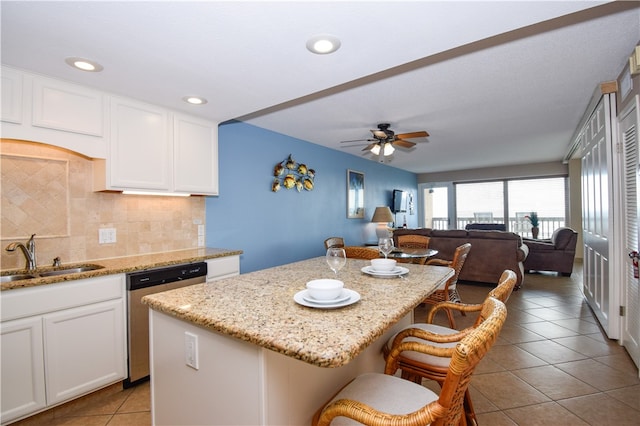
<point x="29" y="252"/>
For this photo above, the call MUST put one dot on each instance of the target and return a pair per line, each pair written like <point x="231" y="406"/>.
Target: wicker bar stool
<point x="415" y="366"/>
<point x="449" y="291"/>
<point x="382" y="399"/>
<point x="413" y="242"/>
<point x="356" y="252"/>
<point x="334" y="242"/>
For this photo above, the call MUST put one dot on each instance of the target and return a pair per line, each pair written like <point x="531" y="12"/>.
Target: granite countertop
<point x="119" y="265"/>
<point x="258" y="307"/>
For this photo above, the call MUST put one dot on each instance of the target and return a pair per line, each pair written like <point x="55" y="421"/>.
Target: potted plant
<point x="533" y="219"/>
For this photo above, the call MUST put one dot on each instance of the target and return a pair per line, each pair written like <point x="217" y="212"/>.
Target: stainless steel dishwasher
<point x="140" y="284"/>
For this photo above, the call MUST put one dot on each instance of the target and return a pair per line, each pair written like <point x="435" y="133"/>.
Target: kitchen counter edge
<point x="121" y="265"/>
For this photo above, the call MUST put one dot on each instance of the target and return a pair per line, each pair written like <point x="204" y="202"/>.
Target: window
<point x="543" y="196"/>
<point x="479" y="203"/>
<point x="491" y="202"/>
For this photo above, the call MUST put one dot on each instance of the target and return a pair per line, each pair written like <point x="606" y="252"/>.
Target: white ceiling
<point x="494" y="83"/>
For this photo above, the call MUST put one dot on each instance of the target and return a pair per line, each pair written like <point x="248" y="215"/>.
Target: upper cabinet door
<point x="140" y="146"/>
<point x="195" y="148"/>
<point x="68" y="107"/>
<point x="11" y="96"/>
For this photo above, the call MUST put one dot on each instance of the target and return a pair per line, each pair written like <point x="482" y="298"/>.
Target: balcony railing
<point x="547" y="225"/>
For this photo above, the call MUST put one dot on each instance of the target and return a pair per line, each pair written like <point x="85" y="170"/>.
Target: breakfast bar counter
<point x="242" y="351"/>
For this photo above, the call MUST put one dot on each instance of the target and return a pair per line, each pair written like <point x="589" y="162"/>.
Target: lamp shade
<point x="382" y="214"/>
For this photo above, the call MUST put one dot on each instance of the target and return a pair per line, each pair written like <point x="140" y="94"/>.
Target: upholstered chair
<point x="555" y="254"/>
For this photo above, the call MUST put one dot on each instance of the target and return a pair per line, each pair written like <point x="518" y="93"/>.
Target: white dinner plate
<point x="343" y="296"/>
<point x="353" y="297"/>
<point x="396" y="272"/>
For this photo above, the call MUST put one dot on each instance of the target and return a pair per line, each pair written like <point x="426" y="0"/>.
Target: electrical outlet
<point x="191" y="350"/>
<point x="106" y="235"/>
<point x="200" y="230"/>
<point x="200" y="240"/>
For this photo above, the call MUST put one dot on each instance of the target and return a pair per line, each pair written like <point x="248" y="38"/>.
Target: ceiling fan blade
<point x="421" y="134"/>
<point x="353" y="146"/>
<point x="358" y="140"/>
<point x="403" y="143"/>
<point x="368" y="147"/>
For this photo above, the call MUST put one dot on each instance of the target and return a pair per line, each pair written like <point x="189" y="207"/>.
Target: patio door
<point x="629" y="135"/>
<point x="436" y="206"/>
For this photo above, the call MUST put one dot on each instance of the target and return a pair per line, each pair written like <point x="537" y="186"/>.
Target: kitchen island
<point x="258" y="357"/>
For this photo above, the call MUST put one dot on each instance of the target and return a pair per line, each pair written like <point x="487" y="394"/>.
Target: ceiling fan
<point x="384" y="139"/>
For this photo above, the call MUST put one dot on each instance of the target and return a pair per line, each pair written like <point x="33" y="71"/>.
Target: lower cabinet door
<point x="23" y="388"/>
<point x="85" y="349"/>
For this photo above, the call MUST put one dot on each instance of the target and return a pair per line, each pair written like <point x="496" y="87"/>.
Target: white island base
<point x="239" y="383"/>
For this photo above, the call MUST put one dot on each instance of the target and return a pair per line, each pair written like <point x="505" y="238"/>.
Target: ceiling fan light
<point x="388" y="149"/>
<point x="375" y="150"/>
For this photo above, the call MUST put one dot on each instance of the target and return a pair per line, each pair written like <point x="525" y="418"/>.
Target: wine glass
<point x="385" y="245"/>
<point x="336" y="258"/>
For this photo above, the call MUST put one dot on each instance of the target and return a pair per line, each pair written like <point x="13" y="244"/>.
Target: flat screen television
<point x="399" y="201"/>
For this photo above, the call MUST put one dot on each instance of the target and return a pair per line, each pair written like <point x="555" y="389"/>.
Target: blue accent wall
<point x="275" y="228"/>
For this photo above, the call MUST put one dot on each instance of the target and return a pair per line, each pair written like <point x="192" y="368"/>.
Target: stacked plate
<point x="395" y="272"/>
<point x="346" y="298"/>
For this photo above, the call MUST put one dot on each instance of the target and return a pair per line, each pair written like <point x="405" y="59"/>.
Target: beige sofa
<point x="491" y="251"/>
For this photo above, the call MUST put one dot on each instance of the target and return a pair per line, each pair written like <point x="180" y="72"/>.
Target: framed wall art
<point x="355" y="195"/>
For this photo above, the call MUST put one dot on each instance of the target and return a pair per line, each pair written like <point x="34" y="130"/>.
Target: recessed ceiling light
<point x="194" y="100"/>
<point x="84" y="64"/>
<point x="323" y="44"/>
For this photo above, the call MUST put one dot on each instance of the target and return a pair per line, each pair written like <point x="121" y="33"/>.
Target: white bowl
<point x="325" y="289"/>
<point x="383" y="265"/>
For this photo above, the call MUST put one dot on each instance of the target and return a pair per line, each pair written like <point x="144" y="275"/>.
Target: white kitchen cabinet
<point x="195" y="155"/>
<point x="222" y="267"/>
<point x="23" y="385"/>
<point x="68" y="107"/>
<point x="139" y="147"/>
<point x="85" y="349"/>
<point x="135" y="145"/>
<point x="11" y="96"/>
<point x="68" y="338"/>
<point x="152" y="149"/>
<point x="41" y="109"/>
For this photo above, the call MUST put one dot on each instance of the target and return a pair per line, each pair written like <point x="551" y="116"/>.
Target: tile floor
<point x="552" y="365"/>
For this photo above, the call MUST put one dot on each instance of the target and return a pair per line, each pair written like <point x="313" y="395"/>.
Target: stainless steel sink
<point x="72" y="269"/>
<point x="16" y="277"/>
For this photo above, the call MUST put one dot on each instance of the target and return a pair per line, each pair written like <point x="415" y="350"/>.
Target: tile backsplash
<point x="47" y="191"/>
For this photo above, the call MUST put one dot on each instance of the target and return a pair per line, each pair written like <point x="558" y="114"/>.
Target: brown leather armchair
<point x="555" y="254"/>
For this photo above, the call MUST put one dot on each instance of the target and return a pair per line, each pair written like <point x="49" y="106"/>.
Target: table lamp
<point x="382" y="216"/>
